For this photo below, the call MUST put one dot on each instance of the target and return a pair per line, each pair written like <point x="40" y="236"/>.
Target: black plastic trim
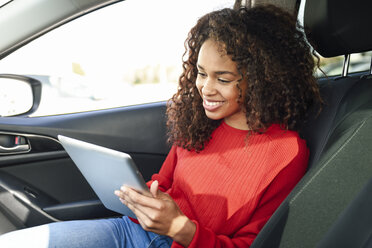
<point x="24" y="203"/>
<point x="79" y="210"/>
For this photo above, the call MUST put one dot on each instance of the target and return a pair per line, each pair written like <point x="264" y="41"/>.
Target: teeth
<point x="212" y="103"/>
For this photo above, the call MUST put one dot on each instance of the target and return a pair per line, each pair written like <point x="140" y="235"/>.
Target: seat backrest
<point x="317" y="130"/>
<point x="340" y="141"/>
<point x="333" y="182"/>
<point x="350" y="230"/>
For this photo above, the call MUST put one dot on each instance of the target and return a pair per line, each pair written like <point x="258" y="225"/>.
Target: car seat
<point x="331" y="206"/>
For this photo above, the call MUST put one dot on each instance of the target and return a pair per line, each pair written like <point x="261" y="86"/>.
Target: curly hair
<point x="271" y="54"/>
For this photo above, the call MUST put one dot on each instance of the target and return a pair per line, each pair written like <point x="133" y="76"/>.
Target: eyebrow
<point x="217" y="72"/>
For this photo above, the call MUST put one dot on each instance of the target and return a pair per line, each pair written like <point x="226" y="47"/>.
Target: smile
<point x="212" y="104"/>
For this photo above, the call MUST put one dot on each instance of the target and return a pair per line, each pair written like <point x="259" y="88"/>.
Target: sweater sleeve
<point x="274" y="194"/>
<point x="165" y="175"/>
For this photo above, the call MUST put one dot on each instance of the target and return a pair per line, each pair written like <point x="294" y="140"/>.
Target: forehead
<point x="213" y="55"/>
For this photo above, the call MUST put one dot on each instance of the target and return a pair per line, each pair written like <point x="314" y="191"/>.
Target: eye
<point x="224" y="81"/>
<point x="202" y="74"/>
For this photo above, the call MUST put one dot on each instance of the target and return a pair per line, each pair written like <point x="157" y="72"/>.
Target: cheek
<point x="232" y="94"/>
<point x="199" y="85"/>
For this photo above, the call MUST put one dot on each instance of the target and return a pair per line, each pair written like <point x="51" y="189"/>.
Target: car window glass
<point x="359" y="62"/>
<point x="124" y="54"/>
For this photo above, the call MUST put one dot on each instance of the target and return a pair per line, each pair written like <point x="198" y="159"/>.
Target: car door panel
<point x="134" y="128"/>
<point x="43" y="185"/>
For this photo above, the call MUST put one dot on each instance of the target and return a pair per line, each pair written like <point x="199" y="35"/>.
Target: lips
<point x="212" y="105"/>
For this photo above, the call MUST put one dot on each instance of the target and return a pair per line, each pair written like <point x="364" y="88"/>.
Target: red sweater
<point x="232" y="187"/>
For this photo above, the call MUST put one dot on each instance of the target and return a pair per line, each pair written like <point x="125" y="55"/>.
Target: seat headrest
<point x="339" y="27"/>
<point x="288" y="5"/>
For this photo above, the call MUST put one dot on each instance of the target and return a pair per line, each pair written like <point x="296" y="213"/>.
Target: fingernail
<point x="123" y="188"/>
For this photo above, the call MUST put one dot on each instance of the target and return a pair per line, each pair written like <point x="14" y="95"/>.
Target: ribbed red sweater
<point x="232" y="187"/>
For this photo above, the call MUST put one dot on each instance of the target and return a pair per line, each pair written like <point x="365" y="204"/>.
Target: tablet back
<point x="106" y="170"/>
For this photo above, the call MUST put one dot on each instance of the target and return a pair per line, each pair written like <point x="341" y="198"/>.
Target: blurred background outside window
<point x="124" y="54"/>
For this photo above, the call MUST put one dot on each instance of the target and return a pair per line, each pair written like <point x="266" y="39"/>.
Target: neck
<point x="242" y="125"/>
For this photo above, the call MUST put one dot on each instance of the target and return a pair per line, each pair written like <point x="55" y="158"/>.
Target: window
<point x="127" y="53"/>
<point x="333" y="66"/>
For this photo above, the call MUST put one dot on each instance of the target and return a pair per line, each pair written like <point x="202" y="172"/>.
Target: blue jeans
<point x="119" y="232"/>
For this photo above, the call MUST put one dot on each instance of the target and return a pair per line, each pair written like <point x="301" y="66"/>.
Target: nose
<point x="208" y="87"/>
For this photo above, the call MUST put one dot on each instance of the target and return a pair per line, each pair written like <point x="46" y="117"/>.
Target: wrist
<point x="186" y="230"/>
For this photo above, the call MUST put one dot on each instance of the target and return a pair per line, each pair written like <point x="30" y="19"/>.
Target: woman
<point x="246" y="88"/>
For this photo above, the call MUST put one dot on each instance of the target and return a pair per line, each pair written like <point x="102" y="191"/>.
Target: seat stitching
<point x="330" y="130"/>
<point x="329" y="160"/>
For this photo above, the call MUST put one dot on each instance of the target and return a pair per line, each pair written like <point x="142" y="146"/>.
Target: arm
<point x="165" y="175"/>
<point x="156" y="211"/>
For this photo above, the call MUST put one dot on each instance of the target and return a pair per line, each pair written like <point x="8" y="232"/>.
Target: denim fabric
<point x="119" y="232"/>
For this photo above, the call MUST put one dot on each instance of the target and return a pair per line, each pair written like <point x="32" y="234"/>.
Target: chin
<point x="213" y="116"/>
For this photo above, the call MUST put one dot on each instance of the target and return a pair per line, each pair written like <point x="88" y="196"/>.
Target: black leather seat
<point x="328" y="201"/>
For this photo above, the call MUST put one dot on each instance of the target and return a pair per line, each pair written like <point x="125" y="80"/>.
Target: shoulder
<point x="285" y="139"/>
<point x="286" y="145"/>
<point x="287" y="153"/>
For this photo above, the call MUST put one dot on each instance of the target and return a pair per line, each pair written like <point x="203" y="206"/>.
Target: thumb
<point x="154" y="188"/>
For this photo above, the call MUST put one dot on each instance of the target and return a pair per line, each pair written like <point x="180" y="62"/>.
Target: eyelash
<point x="203" y="75"/>
<point x="224" y="81"/>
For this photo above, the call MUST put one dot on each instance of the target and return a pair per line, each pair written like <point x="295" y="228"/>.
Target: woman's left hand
<point x="157" y="212"/>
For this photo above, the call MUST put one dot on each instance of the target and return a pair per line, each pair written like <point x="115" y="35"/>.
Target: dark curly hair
<point x="270" y="51"/>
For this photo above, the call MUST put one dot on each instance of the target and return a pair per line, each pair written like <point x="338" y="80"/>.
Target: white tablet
<point x="106" y="170"/>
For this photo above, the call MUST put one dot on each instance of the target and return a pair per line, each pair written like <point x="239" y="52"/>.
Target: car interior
<point x="330" y="206"/>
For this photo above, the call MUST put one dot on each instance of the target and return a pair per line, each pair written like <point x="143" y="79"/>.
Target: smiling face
<point x="217" y="82"/>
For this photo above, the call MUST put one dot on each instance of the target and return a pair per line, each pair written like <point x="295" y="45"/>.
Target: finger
<point x="146" y="223"/>
<point x="140" y="191"/>
<point x="163" y="196"/>
<point x="143" y="217"/>
<point x="119" y="193"/>
<point x="138" y="199"/>
<point x="133" y="204"/>
<point x="123" y="201"/>
<point x="154" y="188"/>
<point x="148" y="205"/>
<point x="151" y="213"/>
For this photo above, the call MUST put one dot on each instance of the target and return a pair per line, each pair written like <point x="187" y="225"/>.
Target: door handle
<point x="10" y="144"/>
<point x="17" y="148"/>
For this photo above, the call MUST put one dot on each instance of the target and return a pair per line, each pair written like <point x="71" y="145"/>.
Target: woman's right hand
<point x="157" y="212"/>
